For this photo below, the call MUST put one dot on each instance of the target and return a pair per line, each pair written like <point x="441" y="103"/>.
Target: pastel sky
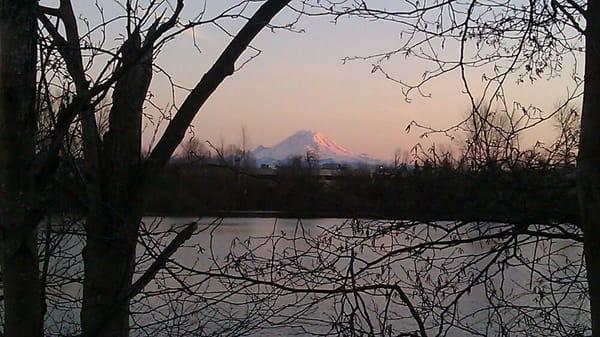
<point x="300" y="82"/>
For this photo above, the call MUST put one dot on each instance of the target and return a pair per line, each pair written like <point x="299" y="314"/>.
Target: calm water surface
<point x="205" y="307"/>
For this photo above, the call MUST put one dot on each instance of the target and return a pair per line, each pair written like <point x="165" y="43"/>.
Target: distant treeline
<point x="423" y="191"/>
<point x="491" y="178"/>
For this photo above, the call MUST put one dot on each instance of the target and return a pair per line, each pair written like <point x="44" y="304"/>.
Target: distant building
<point x="266" y="170"/>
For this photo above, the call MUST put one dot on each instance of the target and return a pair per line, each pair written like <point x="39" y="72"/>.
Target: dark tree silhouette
<point x="19" y="192"/>
<point x="113" y="174"/>
<point x="496" y="41"/>
<point x="116" y="174"/>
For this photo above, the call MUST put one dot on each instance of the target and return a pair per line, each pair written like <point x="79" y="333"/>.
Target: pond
<point x="271" y="277"/>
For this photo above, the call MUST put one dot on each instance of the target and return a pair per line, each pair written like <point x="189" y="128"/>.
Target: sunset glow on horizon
<point x="299" y="81"/>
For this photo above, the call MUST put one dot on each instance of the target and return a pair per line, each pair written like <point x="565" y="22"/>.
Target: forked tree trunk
<point x="18" y="122"/>
<point x="112" y="226"/>
<point x="588" y="162"/>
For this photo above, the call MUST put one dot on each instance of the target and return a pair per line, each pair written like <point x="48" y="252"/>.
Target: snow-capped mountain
<point x="298" y="144"/>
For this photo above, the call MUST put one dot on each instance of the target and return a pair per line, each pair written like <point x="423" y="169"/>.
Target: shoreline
<point x="516" y="218"/>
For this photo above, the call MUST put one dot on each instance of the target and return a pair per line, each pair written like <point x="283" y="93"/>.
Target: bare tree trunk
<point x="22" y="296"/>
<point x="112" y="226"/>
<point x="588" y="162"/>
<point x="18" y="216"/>
<point x="109" y="260"/>
<point x="113" y="222"/>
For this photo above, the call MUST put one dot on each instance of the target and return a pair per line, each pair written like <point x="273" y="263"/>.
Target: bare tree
<point x="588" y="160"/>
<point x="114" y="173"/>
<point x="117" y="176"/>
<point x="497" y="41"/>
<point x="567" y="124"/>
<point x="19" y="190"/>
<point x="195" y="150"/>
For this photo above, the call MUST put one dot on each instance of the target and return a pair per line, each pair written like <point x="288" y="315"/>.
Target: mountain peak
<point x="303" y="141"/>
<point x="304" y="134"/>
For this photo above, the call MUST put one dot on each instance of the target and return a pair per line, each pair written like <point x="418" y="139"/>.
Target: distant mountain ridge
<point x="298" y="144"/>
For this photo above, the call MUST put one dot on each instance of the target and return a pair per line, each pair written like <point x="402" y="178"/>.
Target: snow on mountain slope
<point x="302" y="142"/>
